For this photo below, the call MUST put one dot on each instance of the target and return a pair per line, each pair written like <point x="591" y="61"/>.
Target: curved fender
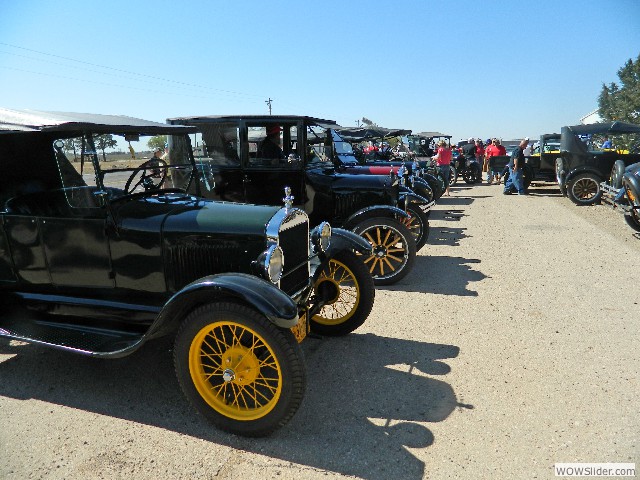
<point x="582" y="169"/>
<point x="342" y="239"/>
<point x="631" y="182"/>
<point x="372" y="212"/>
<point x="265" y="297"/>
<point x="411" y="197"/>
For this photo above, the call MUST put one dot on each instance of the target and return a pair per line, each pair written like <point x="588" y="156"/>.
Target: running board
<point x="74" y="338"/>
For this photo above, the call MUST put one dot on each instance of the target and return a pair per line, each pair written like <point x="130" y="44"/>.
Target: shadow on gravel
<point x="453" y="200"/>
<point x="443" y="275"/>
<point x="365" y="397"/>
<point x="448" y="235"/>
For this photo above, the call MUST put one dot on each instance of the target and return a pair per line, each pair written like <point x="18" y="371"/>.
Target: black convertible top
<point x="356" y="134"/>
<point x="608" y="127"/>
<point x="12" y="121"/>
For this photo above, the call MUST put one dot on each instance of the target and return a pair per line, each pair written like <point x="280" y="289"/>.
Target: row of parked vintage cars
<point x="236" y="254"/>
<point x="587" y="173"/>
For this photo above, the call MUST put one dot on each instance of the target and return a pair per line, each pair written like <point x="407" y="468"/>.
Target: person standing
<point x="468" y="153"/>
<point x="443" y="161"/>
<point x="480" y="156"/>
<point x="491" y="151"/>
<point x="516" y="170"/>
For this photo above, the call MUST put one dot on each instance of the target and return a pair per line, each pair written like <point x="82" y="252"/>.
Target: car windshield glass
<point x="319" y="145"/>
<point x="123" y="164"/>
<point x="341" y="146"/>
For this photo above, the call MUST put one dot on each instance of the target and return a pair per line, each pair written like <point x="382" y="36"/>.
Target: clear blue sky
<point x="467" y="68"/>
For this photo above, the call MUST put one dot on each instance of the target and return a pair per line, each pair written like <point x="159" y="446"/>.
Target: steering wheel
<point x="152" y="174"/>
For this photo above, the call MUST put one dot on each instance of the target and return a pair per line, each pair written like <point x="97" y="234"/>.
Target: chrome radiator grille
<point x="293" y="238"/>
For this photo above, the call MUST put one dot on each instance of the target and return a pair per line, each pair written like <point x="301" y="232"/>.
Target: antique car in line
<point x="99" y="255"/>
<point x="252" y="158"/>
<point x="582" y="166"/>
<point x="420" y="173"/>
<point x="622" y="192"/>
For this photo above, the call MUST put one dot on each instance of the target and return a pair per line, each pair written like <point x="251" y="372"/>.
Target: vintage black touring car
<point x="582" y="165"/>
<point x="99" y="254"/>
<point x="252" y="158"/>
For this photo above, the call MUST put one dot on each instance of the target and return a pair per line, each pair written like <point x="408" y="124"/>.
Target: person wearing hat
<point x="270" y="147"/>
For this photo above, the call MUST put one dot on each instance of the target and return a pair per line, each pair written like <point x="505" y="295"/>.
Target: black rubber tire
<point x="418" y="225"/>
<point x="453" y="175"/>
<point x="270" y="354"/>
<point x="378" y="231"/>
<point x="472" y="174"/>
<point x="584" y="189"/>
<point x="617" y="173"/>
<point x="354" y="290"/>
<point x="633" y="220"/>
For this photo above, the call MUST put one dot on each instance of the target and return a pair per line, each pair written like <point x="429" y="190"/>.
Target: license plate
<point x="300" y="330"/>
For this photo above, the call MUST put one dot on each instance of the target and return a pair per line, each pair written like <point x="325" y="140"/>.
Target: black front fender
<point x="373" y="212"/>
<point x="265" y="297"/>
<point x="342" y="239"/>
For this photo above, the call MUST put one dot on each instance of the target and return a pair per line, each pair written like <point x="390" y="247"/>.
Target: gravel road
<point x="513" y="345"/>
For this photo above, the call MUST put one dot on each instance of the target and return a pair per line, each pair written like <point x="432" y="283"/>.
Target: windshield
<point x="121" y="164"/>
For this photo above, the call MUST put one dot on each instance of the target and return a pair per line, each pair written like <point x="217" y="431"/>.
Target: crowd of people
<point x="482" y="153"/>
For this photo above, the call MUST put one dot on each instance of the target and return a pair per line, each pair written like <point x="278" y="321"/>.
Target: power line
<point x="128" y="72"/>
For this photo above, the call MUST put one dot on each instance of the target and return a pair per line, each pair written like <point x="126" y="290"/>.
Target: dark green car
<point x="101" y="252"/>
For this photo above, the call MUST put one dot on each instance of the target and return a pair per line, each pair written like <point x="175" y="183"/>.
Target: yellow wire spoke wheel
<point x="393" y="249"/>
<point x="235" y="371"/>
<point x="345" y="288"/>
<point x="242" y="372"/>
<point x="344" y="293"/>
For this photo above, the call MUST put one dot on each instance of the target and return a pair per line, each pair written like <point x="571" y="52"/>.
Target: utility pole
<point x="268" y="102"/>
<point x="357" y="123"/>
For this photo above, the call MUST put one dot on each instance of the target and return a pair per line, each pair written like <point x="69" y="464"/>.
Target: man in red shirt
<point x="494" y="150"/>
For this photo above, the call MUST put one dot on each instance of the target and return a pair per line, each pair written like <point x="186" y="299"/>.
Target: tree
<point x="622" y="102"/>
<point x="102" y="142"/>
<point x="159" y="141"/>
<point x="71" y="145"/>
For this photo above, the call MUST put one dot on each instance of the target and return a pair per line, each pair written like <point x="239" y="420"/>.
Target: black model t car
<point x="100" y="253"/>
<point x="582" y="165"/>
<point x="622" y="191"/>
<point x="240" y="163"/>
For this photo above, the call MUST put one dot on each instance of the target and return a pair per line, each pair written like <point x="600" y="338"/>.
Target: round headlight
<point x="321" y="237"/>
<point x="274" y="263"/>
<point x="325" y="236"/>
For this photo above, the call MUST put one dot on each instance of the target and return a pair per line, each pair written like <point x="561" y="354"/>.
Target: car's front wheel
<point x="239" y="370"/>
<point x="348" y="292"/>
<point x="584" y="189"/>
<point x="393" y="249"/>
<point x="633" y="219"/>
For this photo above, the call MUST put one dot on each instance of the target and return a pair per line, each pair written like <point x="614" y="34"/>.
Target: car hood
<point x="186" y="214"/>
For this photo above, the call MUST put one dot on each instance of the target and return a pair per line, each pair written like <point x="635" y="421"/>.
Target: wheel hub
<point x="380" y="251"/>
<point x="240" y="365"/>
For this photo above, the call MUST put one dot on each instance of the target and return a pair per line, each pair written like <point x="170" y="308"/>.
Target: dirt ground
<point x="513" y="345"/>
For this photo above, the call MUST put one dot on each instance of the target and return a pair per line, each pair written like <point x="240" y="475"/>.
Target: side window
<point x="273" y="145"/>
<point x="219" y="145"/>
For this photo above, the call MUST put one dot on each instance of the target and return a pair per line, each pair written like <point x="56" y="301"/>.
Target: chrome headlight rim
<point x="321" y="237"/>
<point x="273" y="263"/>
